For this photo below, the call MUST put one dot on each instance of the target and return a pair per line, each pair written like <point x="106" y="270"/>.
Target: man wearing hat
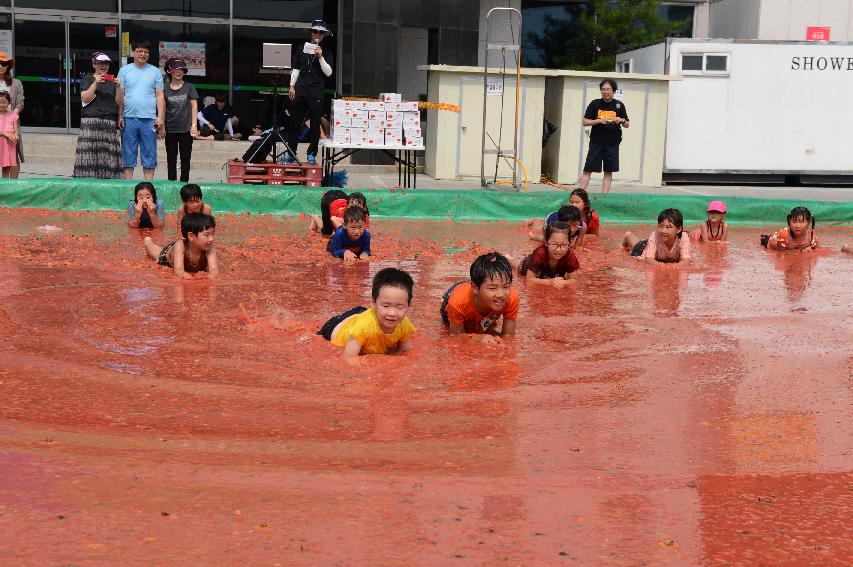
<point x="311" y="66"/>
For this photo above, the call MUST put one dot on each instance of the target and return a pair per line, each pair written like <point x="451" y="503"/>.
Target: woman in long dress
<point x="98" y="147"/>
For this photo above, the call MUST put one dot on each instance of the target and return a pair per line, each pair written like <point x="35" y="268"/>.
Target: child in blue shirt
<point x="352" y="240"/>
<point x="145" y="210"/>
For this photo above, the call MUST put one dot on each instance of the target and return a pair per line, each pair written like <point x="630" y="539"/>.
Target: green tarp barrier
<point x="429" y="204"/>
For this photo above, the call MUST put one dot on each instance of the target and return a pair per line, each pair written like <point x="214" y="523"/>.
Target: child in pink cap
<point x="715" y="228"/>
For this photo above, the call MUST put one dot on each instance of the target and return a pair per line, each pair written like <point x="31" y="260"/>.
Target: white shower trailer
<point x="754" y="110"/>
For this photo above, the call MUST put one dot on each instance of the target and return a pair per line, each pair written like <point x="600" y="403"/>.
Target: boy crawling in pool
<point x="382" y="329"/>
<point x="194" y="253"/>
<point x="476" y="306"/>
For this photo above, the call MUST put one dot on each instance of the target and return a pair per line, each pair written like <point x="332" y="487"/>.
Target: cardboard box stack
<point x="388" y="122"/>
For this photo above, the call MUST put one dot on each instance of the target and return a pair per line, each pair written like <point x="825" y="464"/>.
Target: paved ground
<point x="369" y="176"/>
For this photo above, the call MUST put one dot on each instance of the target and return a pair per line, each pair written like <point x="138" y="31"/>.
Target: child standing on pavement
<point x="8" y="135"/>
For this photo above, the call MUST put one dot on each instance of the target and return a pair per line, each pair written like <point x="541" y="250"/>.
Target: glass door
<point x="52" y="54"/>
<point x="40" y="66"/>
<point x="84" y="38"/>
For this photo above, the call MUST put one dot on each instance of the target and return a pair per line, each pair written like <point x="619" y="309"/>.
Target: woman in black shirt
<point x="98" y="147"/>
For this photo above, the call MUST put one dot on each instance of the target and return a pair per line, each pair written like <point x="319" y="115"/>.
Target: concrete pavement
<point x="381" y="176"/>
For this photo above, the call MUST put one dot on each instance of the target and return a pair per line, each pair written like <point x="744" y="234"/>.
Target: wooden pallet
<point x="270" y="173"/>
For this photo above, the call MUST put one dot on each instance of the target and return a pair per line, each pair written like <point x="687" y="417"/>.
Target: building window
<point x="550" y="33"/>
<point x="704" y="63"/>
<point x="623" y="66"/>
<point x="288" y="10"/>
<point x="678" y="13"/>
<point x="185" y="8"/>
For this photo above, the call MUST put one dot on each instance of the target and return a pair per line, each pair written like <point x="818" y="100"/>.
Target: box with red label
<point x="358" y="136"/>
<point x="359" y="104"/>
<point x="342" y="122"/>
<point x="340" y="136"/>
<point x="393" y="138"/>
<point x="376" y="115"/>
<point x="376" y="106"/>
<point x="361" y="114"/>
<point x="359" y="123"/>
<point x="376" y="124"/>
<point x="339" y="105"/>
<point x="390" y="97"/>
<point x="412" y="131"/>
<point x="393" y="106"/>
<point x="375" y="137"/>
<point x="414" y="141"/>
<point x="409" y="106"/>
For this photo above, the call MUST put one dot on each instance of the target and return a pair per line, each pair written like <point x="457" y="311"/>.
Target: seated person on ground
<point x="215" y="120"/>
<point x="476" y="306"/>
<point x="382" y="329"/>
<point x="145" y="210"/>
<point x="352" y="240"/>
<point x="193" y="253"/>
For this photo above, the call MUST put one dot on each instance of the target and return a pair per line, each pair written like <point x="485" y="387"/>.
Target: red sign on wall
<point x="814" y="33"/>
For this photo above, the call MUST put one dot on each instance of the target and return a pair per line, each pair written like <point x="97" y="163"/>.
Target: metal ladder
<point x="514" y="46"/>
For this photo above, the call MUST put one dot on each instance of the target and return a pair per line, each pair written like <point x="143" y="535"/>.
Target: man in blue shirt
<point x="142" y="114"/>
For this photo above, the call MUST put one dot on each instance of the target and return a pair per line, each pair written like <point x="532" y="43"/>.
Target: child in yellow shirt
<point x="382" y="329"/>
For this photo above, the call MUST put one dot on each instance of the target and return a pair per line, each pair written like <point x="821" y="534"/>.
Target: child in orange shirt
<point x="476" y="306"/>
<point x="798" y="235"/>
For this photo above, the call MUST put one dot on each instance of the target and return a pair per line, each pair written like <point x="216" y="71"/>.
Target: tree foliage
<point x="591" y="35"/>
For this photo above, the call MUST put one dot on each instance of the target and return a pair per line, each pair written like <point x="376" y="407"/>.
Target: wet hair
<point x="611" y="82"/>
<point x="392" y="277"/>
<point x="140" y="43"/>
<point x="325" y="213"/>
<point x="493" y="265"/>
<point x="195" y="223"/>
<point x="139" y="187"/>
<point x="568" y="214"/>
<point x="354" y="214"/>
<point x="675" y="217"/>
<point x="358" y="199"/>
<point x="4" y="94"/>
<point x="801" y="213"/>
<point x="221" y="97"/>
<point x="587" y="206"/>
<point x="558" y="227"/>
<point x="190" y="191"/>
